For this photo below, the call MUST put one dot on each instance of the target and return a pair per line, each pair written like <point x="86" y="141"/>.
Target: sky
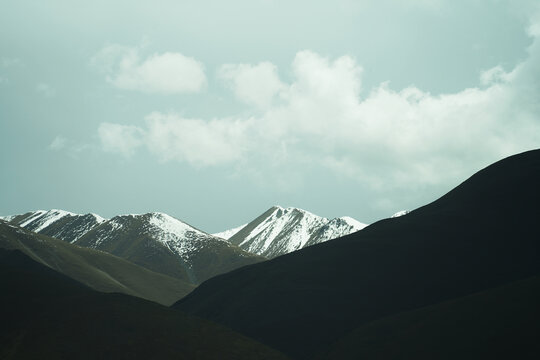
<point x="214" y="111"/>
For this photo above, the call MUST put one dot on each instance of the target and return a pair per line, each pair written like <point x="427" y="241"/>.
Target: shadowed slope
<point x="46" y="315"/>
<point x="99" y="270"/>
<point x="499" y="323"/>
<point x="482" y="234"/>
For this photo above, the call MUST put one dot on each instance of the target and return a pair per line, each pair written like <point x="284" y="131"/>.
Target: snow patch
<point x="98" y="218"/>
<point x="401" y="213"/>
<point x="227" y="234"/>
<point x="50" y="217"/>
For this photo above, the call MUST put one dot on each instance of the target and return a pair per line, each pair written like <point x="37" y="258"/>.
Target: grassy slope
<point x="99" y="270"/>
<point x="46" y="315"/>
<point x="503" y="322"/>
<point x="134" y="244"/>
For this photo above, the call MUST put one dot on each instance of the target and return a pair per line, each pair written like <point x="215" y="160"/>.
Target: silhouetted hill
<point x="498" y="323"/>
<point x="480" y="235"/>
<point x="46" y="315"/>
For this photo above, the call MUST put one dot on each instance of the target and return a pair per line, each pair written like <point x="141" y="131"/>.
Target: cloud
<point x="45" y="90"/>
<point x="123" y="139"/>
<point x="58" y="143"/>
<point x="166" y="73"/>
<point x="198" y="142"/>
<point x="253" y="84"/>
<point x="384" y="138"/>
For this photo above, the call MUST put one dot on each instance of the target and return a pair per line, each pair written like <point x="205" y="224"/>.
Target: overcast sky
<point x="213" y="111"/>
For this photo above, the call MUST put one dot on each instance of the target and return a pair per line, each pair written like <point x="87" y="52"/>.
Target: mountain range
<point x="169" y="246"/>
<point x="457" y="278"/>
<point x="415" y="274"/>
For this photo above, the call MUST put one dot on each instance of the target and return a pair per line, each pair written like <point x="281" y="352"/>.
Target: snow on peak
<point x="98" y="218"/>
<point x="283" y="230"/>
<point x="41" y="219"/>
<point x="169" y="225"/>
<point x="8" y="218"/>
<point x="357" y="225"/>
<point x="401" y="213"/>
<point x="179" y="237"/>
<point x="227" y="234"/>
<point x="57" y="223"/>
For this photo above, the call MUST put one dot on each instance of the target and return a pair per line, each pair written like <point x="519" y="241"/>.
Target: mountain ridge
<point x="313" y="297"/>
<point x="279" y="231"/>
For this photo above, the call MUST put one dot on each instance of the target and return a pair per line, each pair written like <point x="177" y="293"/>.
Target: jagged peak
<point x="291" y="209"/>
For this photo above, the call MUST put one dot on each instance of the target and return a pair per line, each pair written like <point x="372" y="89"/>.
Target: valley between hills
<point x="456" y="278"/>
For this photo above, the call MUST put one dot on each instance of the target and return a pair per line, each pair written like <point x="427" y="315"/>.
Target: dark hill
<point x="46" y="315"/>
<point x="480" y="235"/>
<point x="498" y="323"/>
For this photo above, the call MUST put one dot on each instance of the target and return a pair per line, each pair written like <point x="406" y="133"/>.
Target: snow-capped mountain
<point x="335" y="228"/>
<point x="156" y="241"/>
<point x="167" y="245"/>
<point x="96" y="269"/>
<point x="282" y="230"/>
<point x="60" y="224"/>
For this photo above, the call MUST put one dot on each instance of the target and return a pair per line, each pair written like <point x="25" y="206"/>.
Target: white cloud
<point x="253" y="84"/>
<point x="45" y="90"/>
<point x="166" y="73"/>
<point x="123" y="139"/>
<point x="384" y="139"/>
<point x="196" y="141"/>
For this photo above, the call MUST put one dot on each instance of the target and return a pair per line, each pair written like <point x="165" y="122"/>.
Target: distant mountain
<point x="46" y="315"/>
<point x="481" y="235"/>
<point x="167" y="245"/>
<point x="155" y="241"/>
<point x="59" y="224"/>
<point x="280" y="231"/>
<point x="97" y="269"/>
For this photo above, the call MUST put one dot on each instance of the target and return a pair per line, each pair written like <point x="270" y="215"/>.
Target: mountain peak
<point x="282" y="230"/>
